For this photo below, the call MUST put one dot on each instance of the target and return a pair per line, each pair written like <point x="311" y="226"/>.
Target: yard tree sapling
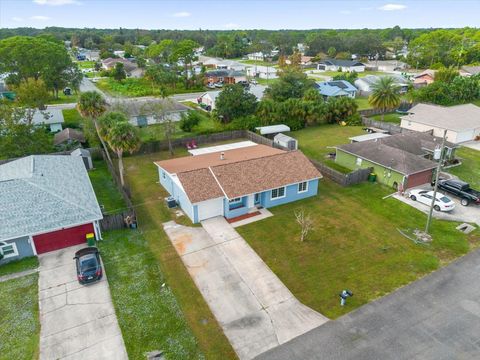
<point x="118" y="72"/>
<point x="305" y="221"/>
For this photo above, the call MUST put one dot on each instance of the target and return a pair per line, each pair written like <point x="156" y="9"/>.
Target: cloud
<point x="40" y="18"/>
<point x="17" y="19"/>
<point x="345" y="12"/>
<point x="182" y="14"/>
<point x="56" y="2"/>
<point x="232" y="26"/>
<point x="392" y="7"/>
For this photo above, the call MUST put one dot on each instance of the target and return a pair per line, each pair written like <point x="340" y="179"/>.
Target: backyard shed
<point x="286" y="141"/>
<point x="86" y="157"/>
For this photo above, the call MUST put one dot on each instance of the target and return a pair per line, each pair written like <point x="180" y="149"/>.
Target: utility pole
<point x="437" y="175"/>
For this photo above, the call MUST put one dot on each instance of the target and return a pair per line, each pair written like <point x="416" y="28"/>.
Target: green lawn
<point x="19" y="323"/>
<point x="133" y="87"/>
<point x="86" y="64"/>
<point x="257" y="62"/>
<point x="390" y="117"/>
<point x="148" y="314"/>
<point x="362" y="103"/>
<point x="19" y="265"/>
<point x="148" y="195"/>
<point x="63" y="99"/>
<point x="315" y="141"/>
<point x="476" y="102"/>
<point x="355" y="245"/>
<point x="469" y="171"/>
<point x="107" y="193"/>
<point x="157" y="131"/>
<point x="360" y="74"/>
<point x="266" y="82"/>
<point x="72" y="118"/>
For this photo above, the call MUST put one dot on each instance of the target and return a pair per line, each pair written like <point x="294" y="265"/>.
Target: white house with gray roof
<point x="47" y="203"/>
<point x="462" y="122"/>
<point x="53" y="118"/>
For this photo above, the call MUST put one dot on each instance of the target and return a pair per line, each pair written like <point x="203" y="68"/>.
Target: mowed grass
<point x="393" y="118"/>
<point x="19" y="323"/>
<point x="354" y="245"/>
<point x="72" y="118"/>
<point x="19" y="265"/>
<point x="469" y="171"/>
<point x="148" y="198"/>
<point x="148" y="314"/>
<point x="318" y="141"/>
<point x="107" y="192"/>
<point x="362" y="103"/>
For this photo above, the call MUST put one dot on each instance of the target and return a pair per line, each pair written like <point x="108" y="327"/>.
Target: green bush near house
<point x="19" y="321"/>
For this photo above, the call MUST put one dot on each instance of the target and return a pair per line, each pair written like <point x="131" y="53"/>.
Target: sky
<point x="246" y="14"/>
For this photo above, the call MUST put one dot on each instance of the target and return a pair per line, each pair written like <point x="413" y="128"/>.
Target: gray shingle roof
<point x="399" y="160"/>
<point x="42" y="193"/>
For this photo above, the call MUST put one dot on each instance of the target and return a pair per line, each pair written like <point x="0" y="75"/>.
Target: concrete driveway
<point x="256" y="311"/>
<point x="434" y="318"/>
<point x="469" y="214"/>
<point x="77" y="321"/>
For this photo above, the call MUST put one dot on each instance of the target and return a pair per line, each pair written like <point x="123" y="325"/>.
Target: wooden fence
<point x="352" y="178"/>
<point x="94" y="152"/>
<point x="117" y="221"/>
<point x="391" y="128"/>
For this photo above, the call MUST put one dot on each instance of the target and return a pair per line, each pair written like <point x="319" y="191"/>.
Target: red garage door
<point x="62" y="238"/>
<point x="419" y="179"/>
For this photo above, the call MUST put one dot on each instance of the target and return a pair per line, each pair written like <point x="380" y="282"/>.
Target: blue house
<point x="336" y="88"/>
<point x="238" y="181"/>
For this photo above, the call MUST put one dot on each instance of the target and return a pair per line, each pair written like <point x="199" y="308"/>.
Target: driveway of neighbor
<point x="469" y="214"/>
<point x="77" y="321"/>
<point x="436" y="317"/>
<point x="256" y="311"/>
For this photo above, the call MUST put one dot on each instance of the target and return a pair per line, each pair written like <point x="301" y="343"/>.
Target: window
<point x="278" y="193"/>
<point x="8" y="249"/>
<point x="302" y="187"/>
<point x="164" y="175"/>
<point x="359" y="162"/>
<point x="235" y="201"/>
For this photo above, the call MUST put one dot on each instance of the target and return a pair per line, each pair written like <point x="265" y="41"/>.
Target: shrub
<point x="189" y="121"/>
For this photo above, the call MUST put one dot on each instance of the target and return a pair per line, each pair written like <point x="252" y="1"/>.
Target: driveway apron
<point x="255" y="309"/>
<point x="77" y="321"/>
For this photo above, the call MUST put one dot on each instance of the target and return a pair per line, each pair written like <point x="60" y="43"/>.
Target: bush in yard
<point x="189" y="121"/>
<point x="245" y="123"/>
<point x="340" y="109"/>
<point x="118" y="72"/>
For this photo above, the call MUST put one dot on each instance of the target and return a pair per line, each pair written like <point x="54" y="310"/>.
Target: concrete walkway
<point x="77" y="321"/>
<point x="17" y="275"/>
<point x="256" y="311"/>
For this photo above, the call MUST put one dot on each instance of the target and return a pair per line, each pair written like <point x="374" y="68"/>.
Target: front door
<point x="256" y="200"/>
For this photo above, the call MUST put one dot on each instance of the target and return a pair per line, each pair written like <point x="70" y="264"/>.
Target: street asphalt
<point x="437" y="317"/>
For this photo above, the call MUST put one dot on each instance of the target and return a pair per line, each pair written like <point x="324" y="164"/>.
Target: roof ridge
<point x="260" y="157"/>
<point x="58" y="197"/>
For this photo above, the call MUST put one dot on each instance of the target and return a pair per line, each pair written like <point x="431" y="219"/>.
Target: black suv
<point x="89" y="266"/>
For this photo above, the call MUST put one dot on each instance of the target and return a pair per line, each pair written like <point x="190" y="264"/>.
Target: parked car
<point x="219" y="84"/>
<point x="461" y="189"/>
<point x="211" y="85"/>
<point x="254" y="82"/>
<point x="89" y="266"/>
<point x="442" y="202"/>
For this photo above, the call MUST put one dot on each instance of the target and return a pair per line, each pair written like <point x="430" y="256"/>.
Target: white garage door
<point x="210" y="208"/>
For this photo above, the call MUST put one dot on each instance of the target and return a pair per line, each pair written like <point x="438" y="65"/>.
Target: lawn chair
<point x="194" y="144"/>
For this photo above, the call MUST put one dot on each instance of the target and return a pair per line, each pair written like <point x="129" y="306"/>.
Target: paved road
<point x="77" y="321"/>
<point x="256" y="311"/>
<point x="437" y="317"/>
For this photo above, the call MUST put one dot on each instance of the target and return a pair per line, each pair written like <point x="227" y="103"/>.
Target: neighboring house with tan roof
<point x="424" y="78"/>
<point x="462" y="122"/>
<point x="238" y="181"/>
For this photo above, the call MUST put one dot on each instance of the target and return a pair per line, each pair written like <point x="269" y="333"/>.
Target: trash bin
<point x="372" y="177"/>
<point x="90" y="239"/>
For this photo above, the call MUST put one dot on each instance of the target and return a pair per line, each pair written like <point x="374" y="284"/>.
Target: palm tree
<point x="385" y="95"/>
<point x="122" y="137"/>
<point x="92" y="105"/>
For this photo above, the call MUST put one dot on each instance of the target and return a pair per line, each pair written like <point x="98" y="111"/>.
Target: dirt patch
<point x="181" y="242"/>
